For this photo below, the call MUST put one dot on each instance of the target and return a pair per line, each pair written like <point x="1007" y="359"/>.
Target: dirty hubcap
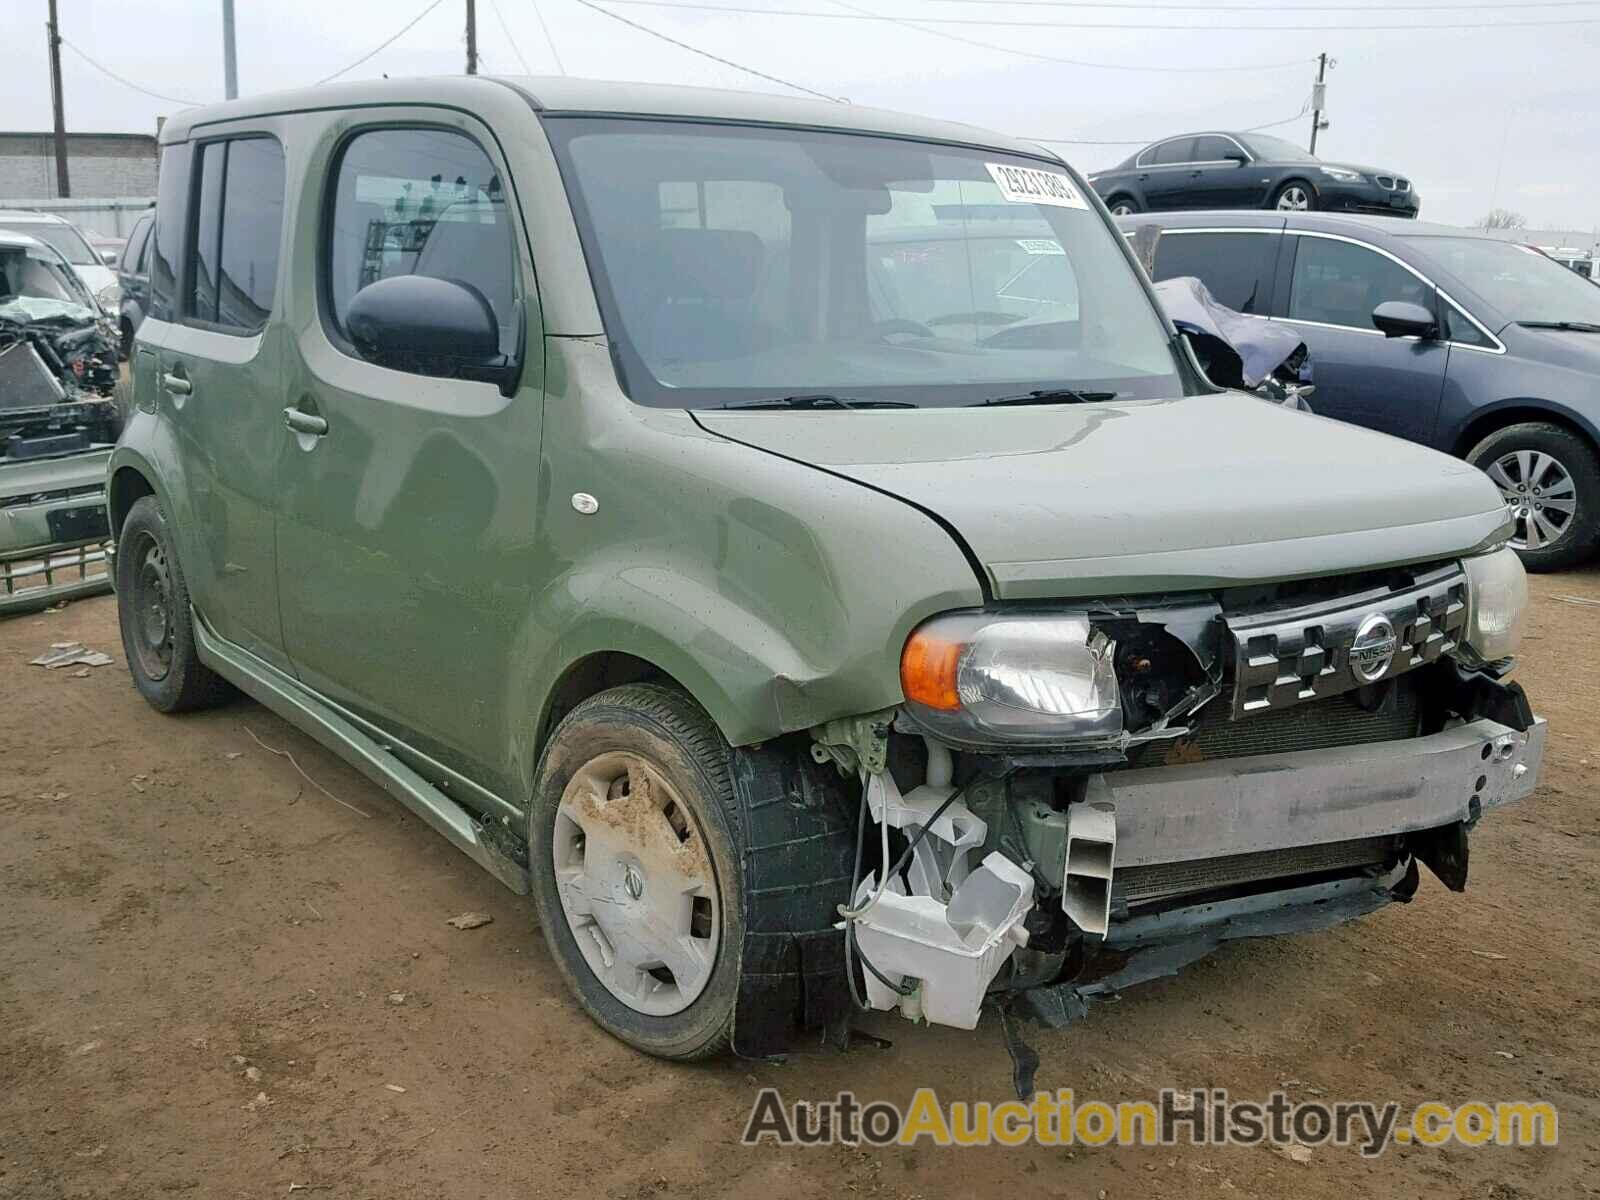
<point x="634" y="875"/>
<point x="1121" y="209"/>
<point x="151" y="605"/>
<point x="1539" y="495"/>
<point x="1294" y="199"/>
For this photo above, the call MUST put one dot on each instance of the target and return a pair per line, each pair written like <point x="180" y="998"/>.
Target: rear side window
<point x="238" y="231"/>
<point x="421" y="202"/>
<point x="1340" y="283"/>
<point x="172" y="218"/>
<point x="1178" y="150"/>
<point x="1235" y="267"/>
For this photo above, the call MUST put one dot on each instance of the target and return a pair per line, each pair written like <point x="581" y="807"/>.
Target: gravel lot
<point x="211" y="974"/>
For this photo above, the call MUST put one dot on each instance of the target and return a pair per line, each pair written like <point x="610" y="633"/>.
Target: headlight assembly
<point x="1342" y="174"/>
<point x="985" y="679"/>
<point x="110" y="297"/>
<point x="1497" y="598"/>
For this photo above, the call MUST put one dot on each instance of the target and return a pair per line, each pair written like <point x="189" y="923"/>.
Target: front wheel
<point x="1550" y="480"/>
<point x="1295" y="196"/>
<point x="1122" y="206"/>
<point x="637" y="859"/>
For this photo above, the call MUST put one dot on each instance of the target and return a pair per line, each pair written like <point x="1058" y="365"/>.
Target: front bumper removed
<point x="1157" y="867"/>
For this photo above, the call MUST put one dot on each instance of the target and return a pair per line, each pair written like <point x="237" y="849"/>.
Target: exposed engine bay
<point x="58" y="358"/>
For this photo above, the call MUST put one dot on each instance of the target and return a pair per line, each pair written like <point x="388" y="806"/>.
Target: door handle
<point x="176" y="385"/>
<point x="304" y="422"/>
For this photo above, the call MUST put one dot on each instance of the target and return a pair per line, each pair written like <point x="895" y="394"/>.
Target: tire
<point x="125" y="346"/>
<point x="1122" y="205"/>
<point x="159" y="645"/>
<point x="1564" y="471"/>
<point x="779" y="850"/>
<point x="1289" y="189"/>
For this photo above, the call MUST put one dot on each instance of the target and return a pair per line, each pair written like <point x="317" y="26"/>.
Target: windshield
<point x="63" y="237"/>
<point x="737" y="264"/>
<point x="37" y="273"/>
<point x="1518" y="280"/>
<point x="1276" y="149"/>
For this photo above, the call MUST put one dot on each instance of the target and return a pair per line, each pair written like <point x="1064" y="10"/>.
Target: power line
<point x="554" y="53"/>
<point x="506" y="29"/>
<point x="1208" y="27"/>
<point x="727" y="62"/>
<point x="1146" y="141"/>
<point x="383" y="45"/>
<point x="127" y="83"/>
<point x="1040" y="56"/>
<point x="1207" y="6"/>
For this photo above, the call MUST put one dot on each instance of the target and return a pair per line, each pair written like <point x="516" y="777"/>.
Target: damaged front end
<point x="59" y="417"/>
<point x="1072" y="802"/>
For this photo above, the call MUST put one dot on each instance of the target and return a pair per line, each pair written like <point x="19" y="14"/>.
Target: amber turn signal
<point x="928" y="670"/>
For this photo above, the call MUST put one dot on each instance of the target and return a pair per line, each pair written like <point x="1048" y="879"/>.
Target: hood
<point x="1138" y="496"/>
<point x="1567" y="348"/>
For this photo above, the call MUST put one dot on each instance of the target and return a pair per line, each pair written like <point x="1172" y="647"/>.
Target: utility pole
<point x="230" y="61"/>
<point x="1319" y="97"/>
<point x="472" y="37"/>
<point x="63" y="185"/>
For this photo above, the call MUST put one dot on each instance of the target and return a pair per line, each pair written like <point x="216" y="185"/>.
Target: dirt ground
<point x="215" y="981"/>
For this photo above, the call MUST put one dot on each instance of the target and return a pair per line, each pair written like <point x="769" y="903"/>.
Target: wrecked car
<point x="788" y="542"/>
<point x="59" y="415"/>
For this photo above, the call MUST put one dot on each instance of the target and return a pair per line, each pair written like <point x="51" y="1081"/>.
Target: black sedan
<point x="1248" y="170"/>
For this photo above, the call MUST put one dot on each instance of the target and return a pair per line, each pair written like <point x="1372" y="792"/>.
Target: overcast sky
<point x="1477" y="117"/>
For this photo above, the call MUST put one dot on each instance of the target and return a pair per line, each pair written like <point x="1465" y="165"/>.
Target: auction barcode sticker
<point x="1030" y="185"/>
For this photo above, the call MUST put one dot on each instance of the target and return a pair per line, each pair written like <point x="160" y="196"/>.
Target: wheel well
<point x="127" y="486"/>
<point x="592" y="675"/>
<point x="1481" y="427"/>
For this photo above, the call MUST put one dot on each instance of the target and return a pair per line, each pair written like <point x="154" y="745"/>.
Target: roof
<point x="1371" y="226"/>
<point x="23" y="216"/>
<point x="551" y="95"/>
<point x="13" y="240"/>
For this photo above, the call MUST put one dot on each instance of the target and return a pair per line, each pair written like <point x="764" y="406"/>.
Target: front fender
<point x="778" y="595"/>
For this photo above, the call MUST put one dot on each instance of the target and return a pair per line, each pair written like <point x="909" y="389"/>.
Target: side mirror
<point x="1237" y="160"/>
<point x="431" y="327"/>
<point x="1402" y="318"/>
<point x="110" y="256"/>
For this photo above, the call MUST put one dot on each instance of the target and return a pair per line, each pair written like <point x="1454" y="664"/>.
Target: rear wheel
<point x="1550" y="481"/>
<point x="1295" y="196"/>
<point x="153" y="612"/>
<point x="1122" y="206"/>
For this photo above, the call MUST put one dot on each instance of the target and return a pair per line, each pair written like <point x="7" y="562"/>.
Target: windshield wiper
<point x="1568" y="326"/>
<point x="815" y="401"/>
<point x="1048" y="396"/>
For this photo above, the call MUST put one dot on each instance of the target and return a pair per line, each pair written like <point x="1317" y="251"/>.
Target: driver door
<point x="1392" y="385"/>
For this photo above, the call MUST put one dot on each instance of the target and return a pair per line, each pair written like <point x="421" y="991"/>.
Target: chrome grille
<point x="1134" y="886"/>
<point x="1284" y="657"/>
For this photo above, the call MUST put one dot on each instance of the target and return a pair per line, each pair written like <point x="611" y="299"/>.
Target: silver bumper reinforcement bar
<point x="1312" y="797"/>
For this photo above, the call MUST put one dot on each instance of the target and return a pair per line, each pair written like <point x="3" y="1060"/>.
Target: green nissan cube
<point x="788" y="542"/>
